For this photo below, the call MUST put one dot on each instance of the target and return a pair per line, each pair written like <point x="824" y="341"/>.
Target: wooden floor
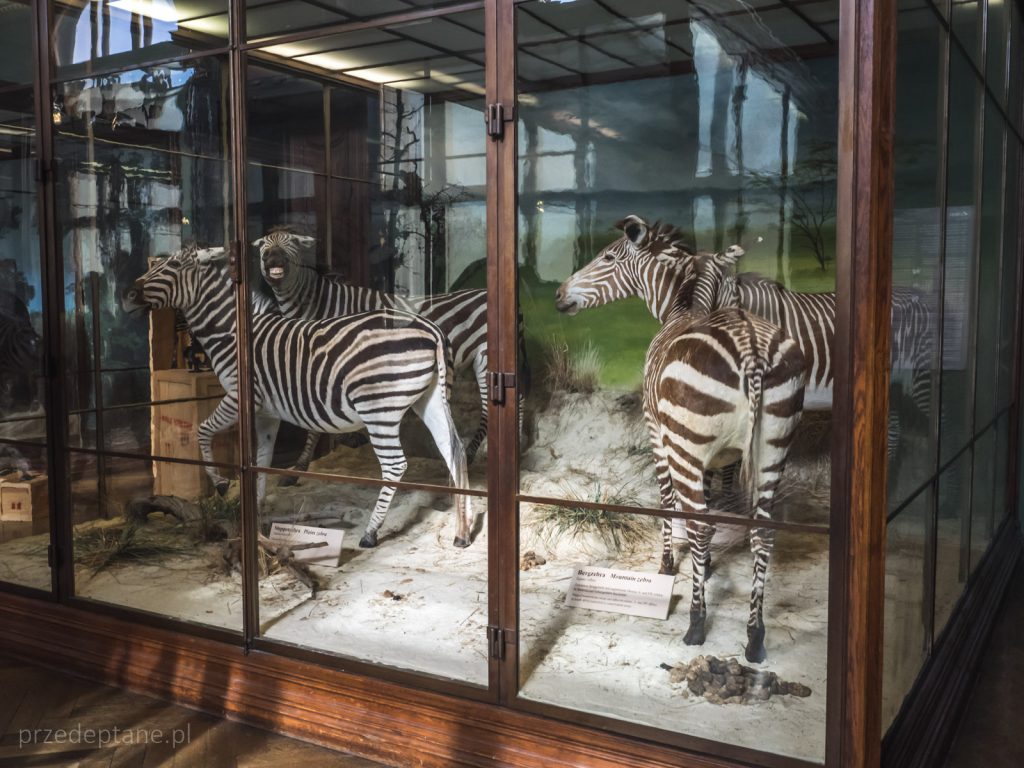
<point x="36" y="704"/>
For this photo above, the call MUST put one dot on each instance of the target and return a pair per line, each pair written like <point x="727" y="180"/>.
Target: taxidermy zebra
<point x="331" y="376"/>
<point x="303" y="292"/>
<point x="720" y="382"/>
<point x="630" y="267"/>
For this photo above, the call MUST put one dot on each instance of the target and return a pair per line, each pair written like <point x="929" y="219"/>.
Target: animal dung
<point x="726" y="681"/>
<point x="530" y="560"/>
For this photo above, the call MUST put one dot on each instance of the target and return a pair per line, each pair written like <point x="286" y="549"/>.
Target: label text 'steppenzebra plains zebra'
<point x="719" y="383"/>
<point x="330" y="376"/>
<point x="630" y="267"/>
<point x="302" y="292"/>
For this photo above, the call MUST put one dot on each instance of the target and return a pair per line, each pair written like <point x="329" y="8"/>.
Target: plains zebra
<point x="303" y="292"/>
<point x="328" y="376"/>
<point x="719" y="382"/>
<point x="630" y="267"/>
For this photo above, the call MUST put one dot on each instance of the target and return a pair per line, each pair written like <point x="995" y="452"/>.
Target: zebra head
<point x="179" y="281"/>
<point x="631" y="266"/>
<point x="281" y="259"/>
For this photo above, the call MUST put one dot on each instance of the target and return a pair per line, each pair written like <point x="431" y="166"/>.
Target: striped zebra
<point x="719" y="383"/>
<point x="630" y="267"/>
<point x="329" y="376"/>
<point x="303" y="292"/>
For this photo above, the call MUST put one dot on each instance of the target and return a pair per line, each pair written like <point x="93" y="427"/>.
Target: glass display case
<point x="636" y="377"/>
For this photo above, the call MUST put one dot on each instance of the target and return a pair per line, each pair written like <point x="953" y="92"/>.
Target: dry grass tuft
<point x="576" y="370"/>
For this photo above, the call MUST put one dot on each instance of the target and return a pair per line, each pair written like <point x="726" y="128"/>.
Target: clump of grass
<point x="619" y="531"/>
<point x="218" y="517"/>
<point x="572" y="370"/>
<point x="100" y="547"/>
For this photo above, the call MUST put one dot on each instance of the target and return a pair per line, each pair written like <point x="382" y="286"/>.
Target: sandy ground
<point x="417" y="603"/>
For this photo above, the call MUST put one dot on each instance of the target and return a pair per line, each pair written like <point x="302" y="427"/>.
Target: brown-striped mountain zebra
<point x="720" y="383"/>
<point x="630" y="267"/>
<point x="328" y="376"/>
<point x="303" y="292"/>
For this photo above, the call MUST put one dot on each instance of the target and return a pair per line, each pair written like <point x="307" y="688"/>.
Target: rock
<point x="726" y="681"/>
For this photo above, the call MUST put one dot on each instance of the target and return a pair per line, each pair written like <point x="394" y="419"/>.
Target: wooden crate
<point x="24" y="508"/>
<point x="174" y="429"/>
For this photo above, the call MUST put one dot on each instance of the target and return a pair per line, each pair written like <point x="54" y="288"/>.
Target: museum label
<point x="629" y="592"/>
<point x="310" y="545"/>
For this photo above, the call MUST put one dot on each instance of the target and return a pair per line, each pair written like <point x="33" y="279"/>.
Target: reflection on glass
<point x="24" y="498"/>
<point x="982" y="488"/>
<point x="645" y="135"/>
<point x="916" y="254"/>
<point x="367" y="219"/>
<point x="266" y="18"/>
<point x="966" y="22"/>
<point x="961" y="268"/>
<point x="373" y="199"/>
<point x="952" y="537"/>
<point x="413" y="602"/>
<point x="156" y="553"/>
<point x="118" y="34"/>
<point x="906" y="639"/>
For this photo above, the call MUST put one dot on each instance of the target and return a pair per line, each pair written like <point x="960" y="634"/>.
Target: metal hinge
<point x="496" y="637"/>
<point x="495" y="118"/>
<point x="500" y="381"/>
<point x="234" y="251"/>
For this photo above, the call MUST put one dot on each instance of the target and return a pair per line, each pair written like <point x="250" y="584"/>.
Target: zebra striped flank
<point x="720" y="383"/>
<point x="330" y="376"/>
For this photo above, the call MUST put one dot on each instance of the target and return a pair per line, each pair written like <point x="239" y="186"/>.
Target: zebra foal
<point x="720" y="383"/>
<point x="330" y="376"/>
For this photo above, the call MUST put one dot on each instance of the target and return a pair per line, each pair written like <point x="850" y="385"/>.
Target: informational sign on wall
<point x="629" y="592"/>
<point x="310" y="545"/>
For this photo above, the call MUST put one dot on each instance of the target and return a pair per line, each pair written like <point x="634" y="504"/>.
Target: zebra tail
<point x="749" y="473"/>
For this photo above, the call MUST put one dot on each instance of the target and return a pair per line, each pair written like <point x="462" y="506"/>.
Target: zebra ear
<point x="258" y="242"/>
<point x="731" y="255"/>
<point x="635" y="228"/>
<point x="305" y="240"/>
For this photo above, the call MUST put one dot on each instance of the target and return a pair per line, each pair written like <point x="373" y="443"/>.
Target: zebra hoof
<point x="222" y="487"/>
<point x="461" y="542"/>
<point x="695" y="634"/>
<point x="668" y="566"/>
<point x="369" y="540"/>
<point x="287" y="481"/>
<point x="755" y="645"/>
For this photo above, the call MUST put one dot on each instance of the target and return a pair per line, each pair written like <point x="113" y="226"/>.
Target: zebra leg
<point x="668" y="524"/>
<point x="436" y="414"/>
<point x="700" y="545"/>
<point x="761" y="542"/>
<point x="302" y="463"/>
<point x="223" y="417"/>
<point x="480" y="372"/>
<point x="386" y="444"/>
<point x="266" y="436"/>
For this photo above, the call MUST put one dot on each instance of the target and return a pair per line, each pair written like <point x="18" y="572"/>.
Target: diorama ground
<point x="417" y="603"/>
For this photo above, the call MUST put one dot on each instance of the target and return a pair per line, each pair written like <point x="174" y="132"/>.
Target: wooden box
<point x="24" y="508"/>
<point x="174" y="429"/>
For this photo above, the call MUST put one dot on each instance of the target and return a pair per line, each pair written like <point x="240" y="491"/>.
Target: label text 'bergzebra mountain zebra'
<point x="720" y="383"/>
<point x="329" y="376"/>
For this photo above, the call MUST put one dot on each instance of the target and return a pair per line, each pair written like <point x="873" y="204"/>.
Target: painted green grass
<point x="622" y="331"/>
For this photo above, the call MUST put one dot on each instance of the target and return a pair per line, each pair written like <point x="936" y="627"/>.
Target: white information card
<point x="629" y="592"/>
<point x="311" y="545"/>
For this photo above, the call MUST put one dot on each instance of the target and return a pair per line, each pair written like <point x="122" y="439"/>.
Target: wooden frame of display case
<point x="390" y="715"/>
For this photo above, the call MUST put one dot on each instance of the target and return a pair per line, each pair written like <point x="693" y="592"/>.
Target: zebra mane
<point x="667" y="239"/>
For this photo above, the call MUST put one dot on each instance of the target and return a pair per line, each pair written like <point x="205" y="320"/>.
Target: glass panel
<point x="94" y="36"/>
<point x="1016" y="73"/>
<point x="917" y="267"/>
<point x="990" y="272"/>
<point x="995" y="43"/>
<point x="982" y="496"/>
<point x="907" y="581"/>
<point x="267" y="18"/>
<point x="159" y="553"/>
<point x="958" y="341"/>
<point x="705" y="133"/>
<point x="1008" y="274"/>
<point x="373" y="198"/>
<point x="367" y="218"/>
<point x="149" y="339"/>
<point x="952" y="536"/>
<point x="24" y="506"/>
<point x="966" y="23"/>
<point x="413" y="602"/>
